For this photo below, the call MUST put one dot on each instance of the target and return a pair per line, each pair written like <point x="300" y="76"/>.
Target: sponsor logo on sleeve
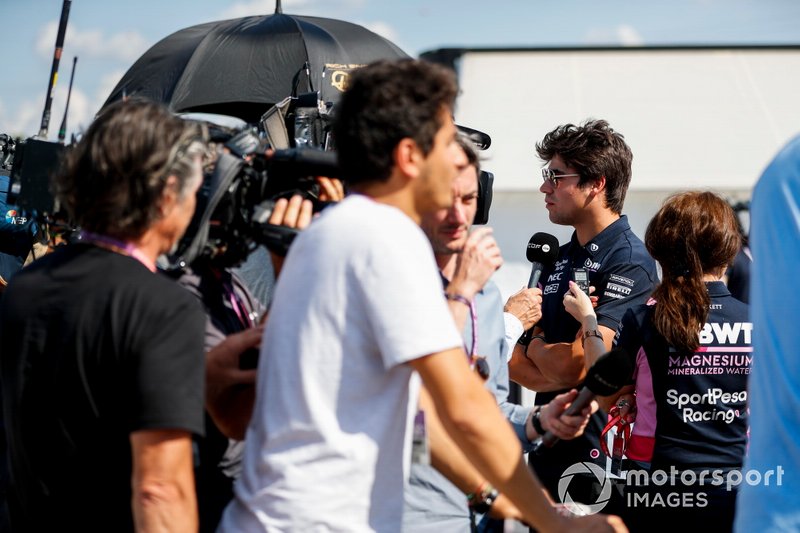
<point x="621" y="279"/>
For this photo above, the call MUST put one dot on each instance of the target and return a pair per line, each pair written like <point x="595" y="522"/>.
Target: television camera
<point x="251" y="169"/>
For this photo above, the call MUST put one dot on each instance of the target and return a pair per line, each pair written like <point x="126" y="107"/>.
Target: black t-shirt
<point x="700" y="397"/>
<point x="623" y="274"/>
<point x="94" y="347"/>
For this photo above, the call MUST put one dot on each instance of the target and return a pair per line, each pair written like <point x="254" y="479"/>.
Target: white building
<point x="694" y="117"/>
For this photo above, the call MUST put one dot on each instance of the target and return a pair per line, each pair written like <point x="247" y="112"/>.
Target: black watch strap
<point x="536" y="422"/>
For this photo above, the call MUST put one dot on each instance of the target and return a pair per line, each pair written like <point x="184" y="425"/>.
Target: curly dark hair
<point x="594" y="150"/>
<point x="385" y="102"/>
<point x="113" y="180"/>
<point x="694" y="233"/>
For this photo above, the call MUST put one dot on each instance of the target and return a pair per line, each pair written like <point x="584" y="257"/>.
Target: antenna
<point x="62" y="131"/>
<point x="48" y="101"/>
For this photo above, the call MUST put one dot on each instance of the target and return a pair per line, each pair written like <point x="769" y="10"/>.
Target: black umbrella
<point x="240" y="67"/>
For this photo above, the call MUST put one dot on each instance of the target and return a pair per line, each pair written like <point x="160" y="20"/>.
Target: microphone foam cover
<point x="542" y="248"/>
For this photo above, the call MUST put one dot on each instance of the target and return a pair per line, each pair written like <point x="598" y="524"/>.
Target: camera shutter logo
<point x="584" y="468"/>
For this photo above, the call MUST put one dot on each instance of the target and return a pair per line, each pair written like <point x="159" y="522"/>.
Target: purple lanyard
<point x="248" y="320"/>
<point x="473" y="315"/>
<point x="238" y="307"/>
<point x="115" y="245"/>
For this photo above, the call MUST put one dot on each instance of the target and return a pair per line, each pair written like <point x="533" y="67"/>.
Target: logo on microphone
<point x="583" y="469"/>
<point x="535" y="246"/>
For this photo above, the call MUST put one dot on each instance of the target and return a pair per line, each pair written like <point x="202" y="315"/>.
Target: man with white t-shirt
<point x="357" y="310"/>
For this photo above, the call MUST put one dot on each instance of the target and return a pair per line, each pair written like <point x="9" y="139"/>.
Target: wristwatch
<point x="536" y="422"/>
<point x="591" y="333"/>
<point x="481" y="502"/>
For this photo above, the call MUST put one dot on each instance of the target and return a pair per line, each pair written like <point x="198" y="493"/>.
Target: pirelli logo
<point x="620" y="289"/>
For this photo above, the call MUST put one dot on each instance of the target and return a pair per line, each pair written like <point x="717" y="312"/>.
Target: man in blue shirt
<point x="584" y="183"/>
<point x="773" y="503"/>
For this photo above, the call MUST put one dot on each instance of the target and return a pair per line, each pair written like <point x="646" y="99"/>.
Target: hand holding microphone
<point x="551" y="417"/>
<point x="609" y="374"/>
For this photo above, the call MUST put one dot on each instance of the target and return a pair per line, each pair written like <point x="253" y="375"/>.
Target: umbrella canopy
<point x="240" y="67"/>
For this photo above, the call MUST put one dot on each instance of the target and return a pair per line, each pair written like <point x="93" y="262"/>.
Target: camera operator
<point x="102" y="367"/>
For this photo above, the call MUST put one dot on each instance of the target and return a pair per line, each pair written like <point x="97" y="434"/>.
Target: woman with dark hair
<point x="692" y="348"/>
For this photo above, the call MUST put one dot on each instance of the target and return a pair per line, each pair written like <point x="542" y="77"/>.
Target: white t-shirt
<point x="328" y="448"/>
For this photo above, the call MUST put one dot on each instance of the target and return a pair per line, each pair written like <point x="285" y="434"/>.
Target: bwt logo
<point x="726" y="333"/>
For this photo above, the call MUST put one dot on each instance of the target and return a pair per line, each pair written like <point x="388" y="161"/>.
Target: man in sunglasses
<point x="435" y="501"/>
<point x="587" y="175"/>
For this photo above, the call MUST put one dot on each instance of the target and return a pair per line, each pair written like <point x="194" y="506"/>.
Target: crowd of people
<point x="372" y="392"/>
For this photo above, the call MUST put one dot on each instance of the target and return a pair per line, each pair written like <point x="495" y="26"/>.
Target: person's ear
<point x="169" y="196"/>
<point x="408" y="157"/>
<point x="599" y="185"/>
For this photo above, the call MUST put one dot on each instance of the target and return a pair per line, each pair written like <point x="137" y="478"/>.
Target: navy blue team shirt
<point x="700" y="398"/>
<point x="623" y="274"/>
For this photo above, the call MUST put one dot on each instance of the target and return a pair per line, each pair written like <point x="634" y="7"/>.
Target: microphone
<point x="542" y="252"/>
<point x="608" y="374"/>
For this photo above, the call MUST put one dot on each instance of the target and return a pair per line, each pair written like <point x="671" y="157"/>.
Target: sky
<point x="108" y="36"/>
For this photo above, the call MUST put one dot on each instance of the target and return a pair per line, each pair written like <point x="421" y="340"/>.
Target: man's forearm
<point x="471" y="417"/>
<point x="164" y="510"/>
<point x="162" y="482"/>
<point x="446" y="456"/>
<point x="522" y="370"/>
<point x="561" y="364"/>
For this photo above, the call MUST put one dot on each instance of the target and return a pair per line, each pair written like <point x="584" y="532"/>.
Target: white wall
<point x="694" y="118"/>
<point x="708" y="119"/>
